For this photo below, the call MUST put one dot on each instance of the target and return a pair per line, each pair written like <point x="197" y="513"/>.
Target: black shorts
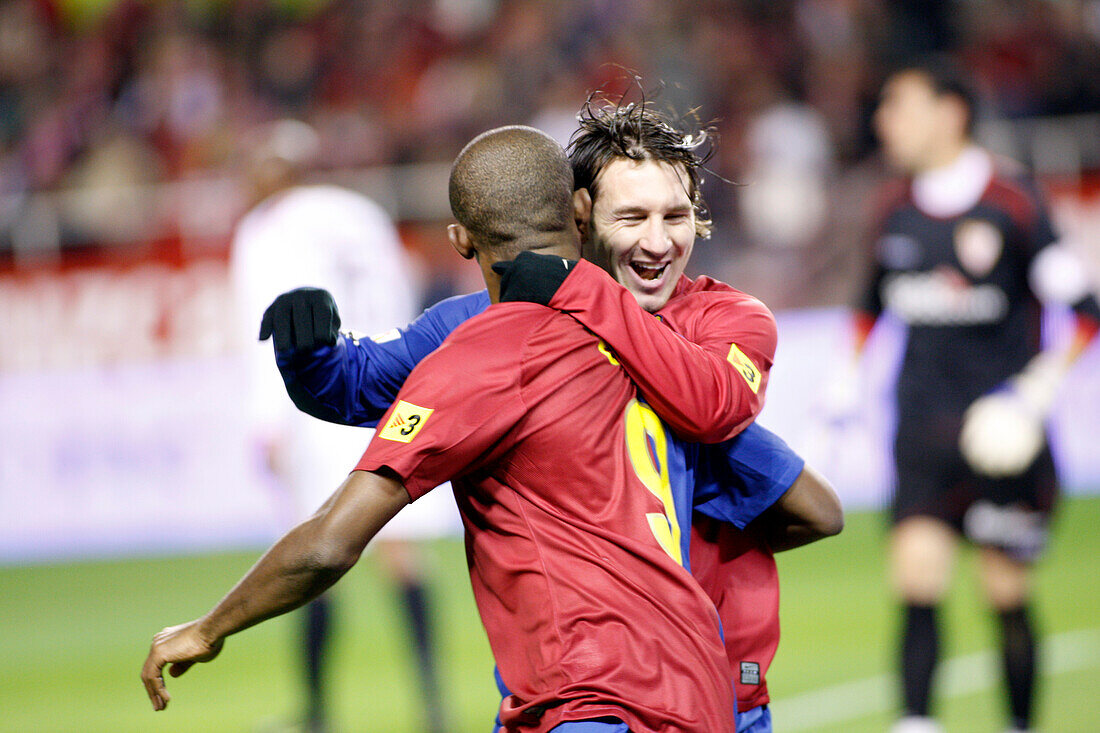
<point x="934" y="480"/>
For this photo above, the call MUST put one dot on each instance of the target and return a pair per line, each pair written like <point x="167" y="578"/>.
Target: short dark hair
<point x="946" y="77"/>
<point x="635" y="131"/>
<point x="511" y="182"/>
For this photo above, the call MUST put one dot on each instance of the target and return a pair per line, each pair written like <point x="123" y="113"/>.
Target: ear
<point x="582" y="211"/>
<point x="460" y="240"/>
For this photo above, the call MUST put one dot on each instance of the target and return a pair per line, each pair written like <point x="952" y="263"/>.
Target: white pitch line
<point x="1062" y="653"/>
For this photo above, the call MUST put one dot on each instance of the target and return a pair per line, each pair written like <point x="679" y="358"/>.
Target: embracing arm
<point x="348" y="380"/>
<point x="808" y="511"/>
<point x="757" y="478"/>
<point x="297" y="568"/>
<point x="705" y="392"/>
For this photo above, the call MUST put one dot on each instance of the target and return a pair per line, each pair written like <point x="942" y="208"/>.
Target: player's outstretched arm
<point x="808" y="511"/>
<point x="348" y="380"/>
<point x="297" y="568"/>
<point x="703" y="395"/>
<point x="757" y="478"/>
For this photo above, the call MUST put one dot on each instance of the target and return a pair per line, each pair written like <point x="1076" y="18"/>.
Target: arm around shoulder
<point x="808" y="511"/>
<point x="708" y="385"/>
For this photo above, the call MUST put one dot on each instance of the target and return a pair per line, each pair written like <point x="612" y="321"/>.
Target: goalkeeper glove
<point x="1002" y="432"/>
<point x="301" y="320"/>
<point x="532" y="278"/>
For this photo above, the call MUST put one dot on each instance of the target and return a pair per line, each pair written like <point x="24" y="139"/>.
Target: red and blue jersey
<point x="356" y="381"/>
<point x="574" y="541"/>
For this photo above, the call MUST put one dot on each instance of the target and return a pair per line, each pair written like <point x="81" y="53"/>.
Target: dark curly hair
<point x="610" y="130"/>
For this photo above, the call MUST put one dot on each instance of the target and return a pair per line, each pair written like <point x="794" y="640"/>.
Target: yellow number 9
<point x="644" y="431"/>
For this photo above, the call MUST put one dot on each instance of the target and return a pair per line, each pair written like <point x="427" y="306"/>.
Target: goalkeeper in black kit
<point x="966" y="255"/>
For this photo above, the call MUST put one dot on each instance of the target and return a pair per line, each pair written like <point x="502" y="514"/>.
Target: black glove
<point x="532" y="278"/>
<point x="304" y="319"/>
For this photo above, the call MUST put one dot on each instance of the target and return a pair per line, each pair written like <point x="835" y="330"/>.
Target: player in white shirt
<point x="333" y="238"/>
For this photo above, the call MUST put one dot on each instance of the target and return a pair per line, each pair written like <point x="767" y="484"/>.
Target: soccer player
<point x="965" y="255"/>
<point x="577" y="565"/>
<point x="299" y="233"/>
<point x="641" y="214"/>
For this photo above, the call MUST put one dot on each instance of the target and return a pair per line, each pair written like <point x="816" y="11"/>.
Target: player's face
<point x="908" y="121"/>
<point x="643" y="227"/>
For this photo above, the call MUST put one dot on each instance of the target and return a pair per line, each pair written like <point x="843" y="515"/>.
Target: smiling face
<point x="642" y="228"/>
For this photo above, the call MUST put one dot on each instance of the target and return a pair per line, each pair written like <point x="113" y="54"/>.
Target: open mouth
<point x="648" y="272"/>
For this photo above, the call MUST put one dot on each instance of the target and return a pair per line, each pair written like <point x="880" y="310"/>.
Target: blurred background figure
<point x="788" y="159"/>
<point x="965" y="256"/>
<point x="300" y="234"/>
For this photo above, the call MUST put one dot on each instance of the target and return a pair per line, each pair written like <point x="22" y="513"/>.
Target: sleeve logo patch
<point x="386" y="336"/>
<point x="405" y="422"/>
<point x="745" y="368"/>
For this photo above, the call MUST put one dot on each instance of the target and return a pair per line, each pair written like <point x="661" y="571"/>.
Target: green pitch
<point x="73" y="638"/>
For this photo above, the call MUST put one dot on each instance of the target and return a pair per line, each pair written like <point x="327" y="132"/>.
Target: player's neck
<point x="559" y="244"/>
<point x="953" y="189"/>
<point x="945" y="156"/>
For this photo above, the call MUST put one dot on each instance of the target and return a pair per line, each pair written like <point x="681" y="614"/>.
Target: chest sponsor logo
<point x="750" y="673"/>
<point x="978" y="246"/>
<point x="943" y="297"/>
<point x="744" y="367"/>
<point x="405" y="422"/>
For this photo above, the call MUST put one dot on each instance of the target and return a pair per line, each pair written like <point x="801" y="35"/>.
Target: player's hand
<point x="532" y="278"/>
<point x="1001" y="435"/>
<point x="304" y="319"/>
<point x="181" y="646"/>
<point x="1002" y="432"/>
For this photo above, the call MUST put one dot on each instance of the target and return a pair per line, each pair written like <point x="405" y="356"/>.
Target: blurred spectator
<point x="788" y="160"/>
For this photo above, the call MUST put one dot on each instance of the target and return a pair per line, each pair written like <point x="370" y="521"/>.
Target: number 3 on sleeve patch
<point x="405" y="422"/>
<point x="744" y="367"/>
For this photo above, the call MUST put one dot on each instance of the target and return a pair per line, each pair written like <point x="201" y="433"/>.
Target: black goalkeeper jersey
<point x="961" y="285"/>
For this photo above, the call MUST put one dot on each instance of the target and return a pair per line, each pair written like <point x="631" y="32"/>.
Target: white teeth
<point x="648" y="272"/>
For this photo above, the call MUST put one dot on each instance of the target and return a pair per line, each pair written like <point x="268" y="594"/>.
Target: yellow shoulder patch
<point x="744" y="367"/>
<point x="405" y="422"/>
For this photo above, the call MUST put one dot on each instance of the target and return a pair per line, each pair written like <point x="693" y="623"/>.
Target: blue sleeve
<point x="740" y="478"/>
<point x="355" y="381"/>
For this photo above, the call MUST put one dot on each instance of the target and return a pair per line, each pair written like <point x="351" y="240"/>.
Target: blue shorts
<point x="573" y="726"/>
<point x="590" y="726"/>
<point x="583" y="726"/>
<point x="756" y="720"/>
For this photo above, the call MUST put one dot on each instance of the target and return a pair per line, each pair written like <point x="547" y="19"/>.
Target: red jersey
<point x="739" y="574"/>
<point x="736" y="335"/>
<point x="569" y="524"/>
<point x="736" y="569"/>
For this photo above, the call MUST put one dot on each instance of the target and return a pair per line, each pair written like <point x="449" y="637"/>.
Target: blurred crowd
<point x="99" y="100"/>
